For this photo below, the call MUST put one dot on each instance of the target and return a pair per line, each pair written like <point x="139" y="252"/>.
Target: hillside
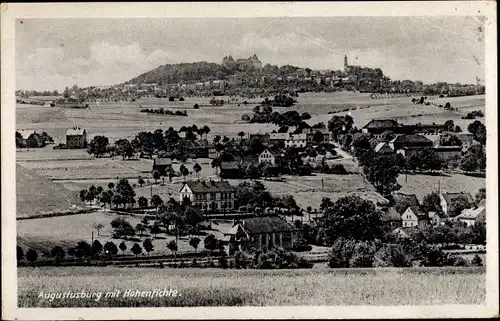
<point x="195" y="71"/>
<point x="36" y="194"/>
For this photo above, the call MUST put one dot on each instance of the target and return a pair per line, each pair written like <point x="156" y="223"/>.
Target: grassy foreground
<point x="215" y="287"/>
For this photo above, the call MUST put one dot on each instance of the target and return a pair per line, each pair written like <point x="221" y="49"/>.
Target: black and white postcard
<point x="249" y="160"/>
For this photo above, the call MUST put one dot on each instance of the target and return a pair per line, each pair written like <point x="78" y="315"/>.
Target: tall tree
<point x="351" y="217"/>
<point x="123" y="247"/>
<point x="136" y="249"/>
<point x="148" y="245"/>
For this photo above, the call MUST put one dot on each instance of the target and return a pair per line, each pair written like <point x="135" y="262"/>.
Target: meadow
<point x="421" y="185"/>
<point x="218" y="287"/>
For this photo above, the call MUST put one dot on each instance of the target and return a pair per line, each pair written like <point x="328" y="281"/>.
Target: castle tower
<point x="346" y="65"/>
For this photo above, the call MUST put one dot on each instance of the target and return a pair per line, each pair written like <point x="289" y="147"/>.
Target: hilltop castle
<point x="242" y="64"/>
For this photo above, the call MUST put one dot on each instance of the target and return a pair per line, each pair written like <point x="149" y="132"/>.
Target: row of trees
<point x="162" y="111"/>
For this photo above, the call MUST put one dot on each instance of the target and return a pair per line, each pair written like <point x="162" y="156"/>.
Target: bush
<point x="301" y="246"/>
<point x="477" y="261"/>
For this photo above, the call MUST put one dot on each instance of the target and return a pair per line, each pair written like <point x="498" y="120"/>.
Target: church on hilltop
<point x="251" y="63"/>
<point x="361" y="72"/>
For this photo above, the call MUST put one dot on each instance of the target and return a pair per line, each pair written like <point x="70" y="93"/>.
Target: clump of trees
<point x="478" y="129"/>
<point x="162" y="111"/>
<point x="279" y="101"/>
<point x="473" y="114"/>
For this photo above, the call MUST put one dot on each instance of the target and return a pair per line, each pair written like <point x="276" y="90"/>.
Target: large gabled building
<point x="211" y="196"/>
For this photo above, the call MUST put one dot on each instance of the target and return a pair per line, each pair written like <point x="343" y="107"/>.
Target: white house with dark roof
<point x="209" y="195"/>
<point x="271" y="156"/>
<point x="76" y="137"/>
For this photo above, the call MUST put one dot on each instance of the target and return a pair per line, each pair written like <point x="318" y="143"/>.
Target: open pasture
<point x="217" y="287"/>
<point x="421" y="185"/>
<point x="36" y="194"/>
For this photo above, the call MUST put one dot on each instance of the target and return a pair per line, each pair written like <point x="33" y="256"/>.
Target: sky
<point x="54" y="53"/>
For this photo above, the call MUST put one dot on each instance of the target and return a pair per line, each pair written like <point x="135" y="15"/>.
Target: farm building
<point x="261" y="233"/>
<point x="161" y="165"/>
<point x="378" y="126"/>
<point x="264" y="138"/>
<point x="402" y="141"/>
<point x="76" y="138"/>
<point x="32" y="139"/>
<point x="471" y="216"/>
<point x="209" y="196"/>
<point x="296" y="140"/>
<point x="271" y="156"/>
<point x="278" y="139"/>
<point x="447" y="200"/>
<point x="229" y="169"/>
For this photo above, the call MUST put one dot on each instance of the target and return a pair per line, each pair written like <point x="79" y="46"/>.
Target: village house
<point x="271" y="156"/>
<point x="471" y="216"/>
<point x="407" y="145"/>
<point x="437" y="218"/>
<point x="161" y="165"/>
<point x="229" y="169"/>
<point x="447" y="200"/>
<point x="414" y="217"/>
<point x="76" y="138"/>
<point x="213" y="196"/>
<point x="278" y="139"/>
<point x="296" y="140"/>
<point x="392" y="218"/>
<point x="410" y="199"/>
<point x="311" y="132"/>
<point x="264" y="138"/>
<point x="261" y="233"/>
<point x="383" y="149"/>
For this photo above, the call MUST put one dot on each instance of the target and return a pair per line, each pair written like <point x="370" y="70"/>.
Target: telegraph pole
<point x="151" y="193"/>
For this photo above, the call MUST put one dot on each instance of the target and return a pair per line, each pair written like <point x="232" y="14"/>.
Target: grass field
<point x="36" y="194"/>
<point x="211" y="287"/>
<point x="42" y="234"/>
<point x="422" y="185"/>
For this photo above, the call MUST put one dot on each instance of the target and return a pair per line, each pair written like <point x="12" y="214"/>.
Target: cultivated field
<point x="124" y="120"/>
<point x="209" y="287"/>
<point x="422" y="185"/>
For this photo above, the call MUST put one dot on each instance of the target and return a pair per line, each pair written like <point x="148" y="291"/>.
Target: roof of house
<point x="75" y="131"/>
<point x="267" y="224"/>
<point x="471" y="213"/>
<point x="229" y="165"/>
<point x="448" y="148"/>
<point x="274" y="151"/>
<point x="391" y="215"/>
<point x="410" y="198"/>
<point x="162" y="161"/>
<point x="449" y="197"/>
<point x="209" y="187"/>
<point x="278" y="136"/>
<point x="482" y="202"/>
<point x="383" y="147"/>
<point x="405" y="139"/>
<point x="416" y="210"/>
<point x="382" y="123"/>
